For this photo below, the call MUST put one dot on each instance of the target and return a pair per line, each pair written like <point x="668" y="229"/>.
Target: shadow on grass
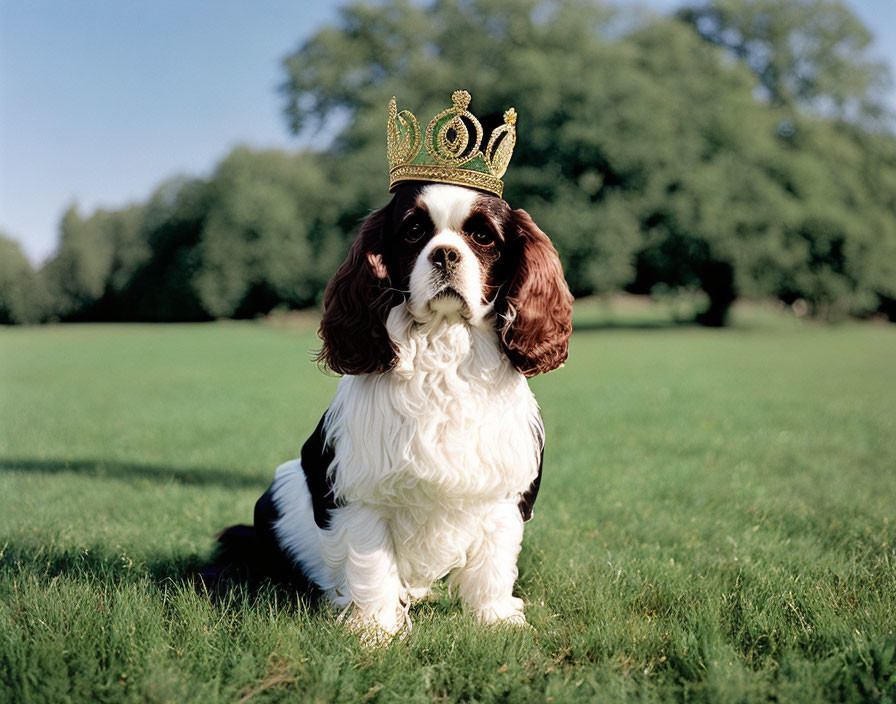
<point x="239" y="564"/>
<point x="198" y="476"/>
<point x="218" y="580"/>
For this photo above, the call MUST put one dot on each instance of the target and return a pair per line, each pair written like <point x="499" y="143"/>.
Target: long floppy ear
<point x="537" y="307"/>
<point x="356" y="303"/>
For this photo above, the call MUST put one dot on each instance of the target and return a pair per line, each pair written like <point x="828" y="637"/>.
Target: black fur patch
<point x="317" y="457"/>
<point x="527" y="502"/>
<point x="266" y="514"/>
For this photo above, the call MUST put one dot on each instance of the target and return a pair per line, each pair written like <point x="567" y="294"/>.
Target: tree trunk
<point x="717" y="280"/>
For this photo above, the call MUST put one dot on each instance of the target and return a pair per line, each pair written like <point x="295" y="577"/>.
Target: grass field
<point x="717" y="522"/>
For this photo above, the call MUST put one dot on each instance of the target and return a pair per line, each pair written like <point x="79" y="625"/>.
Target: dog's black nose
<point x="444" y="257"/>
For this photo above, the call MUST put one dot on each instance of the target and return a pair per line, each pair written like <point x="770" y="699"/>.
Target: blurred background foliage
<point x="739" y="148"/>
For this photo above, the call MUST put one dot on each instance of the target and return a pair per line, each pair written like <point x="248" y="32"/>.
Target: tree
<point x="21" y="300"/>
<point x="260" y="243"/>
<point x="621" y="143"/>
<point x="646" y="156"/>
<point x="804" y="53"/>
<point x="76" y="276"/>
<point x="703" y="173"/>
<point x="512" y="53"/>
<point x="97" y="257"/>
<point x="841" y="241"/>
<point x="161" y="288"/>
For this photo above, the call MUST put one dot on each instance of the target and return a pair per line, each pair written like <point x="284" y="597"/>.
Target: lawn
<point x="717" y="522"/>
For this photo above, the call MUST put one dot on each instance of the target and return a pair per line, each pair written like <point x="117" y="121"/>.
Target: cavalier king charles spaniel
<point x="428" y="460"/>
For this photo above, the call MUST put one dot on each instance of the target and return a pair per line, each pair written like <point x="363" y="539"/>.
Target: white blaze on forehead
<point x="448" y="206"/>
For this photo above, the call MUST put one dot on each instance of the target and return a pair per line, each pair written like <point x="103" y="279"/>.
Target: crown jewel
<point x="448" y="151"/>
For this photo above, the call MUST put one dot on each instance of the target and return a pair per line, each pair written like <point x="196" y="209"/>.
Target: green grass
<point x="716" y="523"/>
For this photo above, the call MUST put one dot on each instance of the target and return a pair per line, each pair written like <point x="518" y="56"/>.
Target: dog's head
<point x="454" y="253"/>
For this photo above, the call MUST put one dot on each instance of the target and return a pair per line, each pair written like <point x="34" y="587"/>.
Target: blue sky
<point x="101" y="100"/>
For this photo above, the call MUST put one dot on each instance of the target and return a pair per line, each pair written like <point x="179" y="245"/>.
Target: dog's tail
<point x="235" y="557"/>
<point x="252" y="554"/>
<point x="244" y="554"/>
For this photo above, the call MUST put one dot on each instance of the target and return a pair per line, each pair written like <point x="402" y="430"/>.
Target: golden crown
<point x="448" y="156"/>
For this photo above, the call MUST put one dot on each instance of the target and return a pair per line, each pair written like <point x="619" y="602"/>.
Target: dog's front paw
<point x="509" y="611"/>
<point x="375" y="627"/>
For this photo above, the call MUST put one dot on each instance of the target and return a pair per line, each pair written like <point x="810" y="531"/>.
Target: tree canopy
<point x="647" y="157"/>
<point x="813" y="53"/>
<point x="18" y="289"/>
<point x="644" y="150"/>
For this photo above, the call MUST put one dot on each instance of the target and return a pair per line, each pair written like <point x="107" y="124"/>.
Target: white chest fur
<point x="454" y="423"/>
<point x="436" y="443"/>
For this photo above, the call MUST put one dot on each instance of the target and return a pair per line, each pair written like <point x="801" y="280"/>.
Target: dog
<point x="428" y="461"/>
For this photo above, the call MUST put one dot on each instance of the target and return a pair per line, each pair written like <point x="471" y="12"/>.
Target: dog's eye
<point x="483" y="237"/>
<point x="414" y="231"/>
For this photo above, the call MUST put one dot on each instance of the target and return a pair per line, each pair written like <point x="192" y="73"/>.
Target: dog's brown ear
<point x="535" y="312"/>
<point x="356" y="303"/>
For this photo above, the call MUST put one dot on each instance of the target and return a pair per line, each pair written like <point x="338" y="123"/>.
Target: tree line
<point x="740" y="148"/>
